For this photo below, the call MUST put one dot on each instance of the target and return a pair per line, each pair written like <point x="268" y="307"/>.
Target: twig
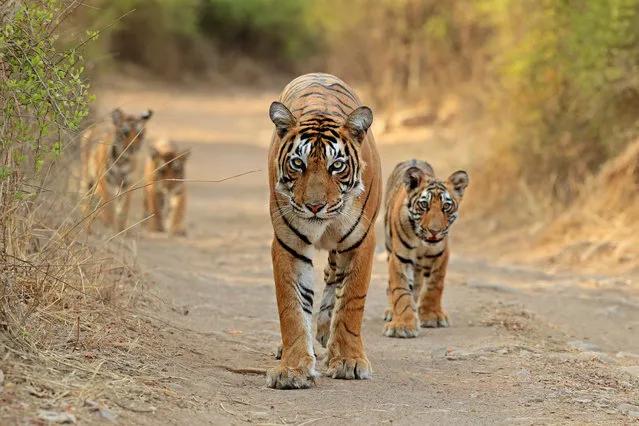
<point x="244" y="370"/>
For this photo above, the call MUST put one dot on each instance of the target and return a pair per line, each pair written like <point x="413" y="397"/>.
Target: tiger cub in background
<point x="109" y="159"/>
<point x="164" y="193"/>
<point x="420" y="210"/>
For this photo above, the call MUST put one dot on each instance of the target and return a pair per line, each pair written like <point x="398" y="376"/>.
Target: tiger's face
<point x="432" y="204"/>
<point x="129" y="130"/>
<point x="169" y="167"/>
<point x="319" y="163"/>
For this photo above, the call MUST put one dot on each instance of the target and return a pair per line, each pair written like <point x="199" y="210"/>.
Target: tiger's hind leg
<point x="430" y="310"/>
<point x="346" y="357"/>
<point x="331" y="280"/>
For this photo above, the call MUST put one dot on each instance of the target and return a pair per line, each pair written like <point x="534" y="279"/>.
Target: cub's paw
<point x="278" y="351"/>
<point x="388" y="314"/>
<point x="434" y="320"/>
<point x="323" y="329"/>
<point x="283" y="377"/>
<point x="401" y="329"/>
<point x="349" y="368"/>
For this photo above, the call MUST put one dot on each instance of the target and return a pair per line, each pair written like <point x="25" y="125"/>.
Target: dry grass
<point x="68" y="303"/>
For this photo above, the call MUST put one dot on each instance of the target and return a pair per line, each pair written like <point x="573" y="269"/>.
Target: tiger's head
<point x="432" y="204"/>
<point x="169" y="163"/>
<point x="129" y="130"/>
<point x="319" y="166"/>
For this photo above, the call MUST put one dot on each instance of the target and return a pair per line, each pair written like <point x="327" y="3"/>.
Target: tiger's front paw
<point x="288" y="377"/>
<point x="401" y="329"/>
<point x="434" y="319"/>
<point x="323" y="328"/>
<point x="388" y="314"/>
<point x="340" y="367"/>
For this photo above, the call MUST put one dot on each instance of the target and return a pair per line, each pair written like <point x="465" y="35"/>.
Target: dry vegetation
<point x="70" y="342"/>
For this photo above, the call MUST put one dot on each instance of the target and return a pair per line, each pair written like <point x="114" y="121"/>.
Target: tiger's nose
<point x="315" y="208"/>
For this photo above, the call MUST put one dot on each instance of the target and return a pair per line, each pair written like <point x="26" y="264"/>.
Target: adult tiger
<point x="419" y="212"/>
<point x="325" y="192"/>
<point x="109" y="159"/>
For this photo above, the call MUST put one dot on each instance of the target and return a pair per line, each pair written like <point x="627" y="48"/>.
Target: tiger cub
<point x="420" y="210"/>
<point x="109" y="158"/>
<point x="164" y="192"/>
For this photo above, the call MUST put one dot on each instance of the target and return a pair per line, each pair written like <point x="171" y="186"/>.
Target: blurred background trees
<point x="557" y="79"/>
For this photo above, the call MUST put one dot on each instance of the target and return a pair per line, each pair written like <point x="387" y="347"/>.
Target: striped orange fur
<point x="325" y="193"/>
<point x="420" y="210"/>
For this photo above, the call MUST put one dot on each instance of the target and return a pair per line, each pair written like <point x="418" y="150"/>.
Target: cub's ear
<point x="458" y="181"/>
<point x="146" y="114"/>
<point x="358" y="122"/>
<point x="282" y="118"/>
<point x="154" y="152"/>
<point x="117" y="116"/>
<point x="413" y="178"/>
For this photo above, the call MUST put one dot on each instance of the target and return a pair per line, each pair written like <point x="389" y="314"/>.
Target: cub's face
<point x="169" y="166"/>
<point x="129" y="130"/>
<point x="318" y="162"/>
<point x="433" y="204"/>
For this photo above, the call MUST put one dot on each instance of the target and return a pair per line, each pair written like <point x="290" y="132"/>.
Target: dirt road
<point x="506" y="359"/>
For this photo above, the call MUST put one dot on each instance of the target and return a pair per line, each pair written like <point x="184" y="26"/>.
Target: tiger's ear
<point x="146" y="114"/>
<point x="282" y="118"/>
<point x="117" y="116"/>
<point x="154" y="152"/>
<point x="458" y="181"/>
<point x="413" y="178"/>
<point x="358" y="122"/>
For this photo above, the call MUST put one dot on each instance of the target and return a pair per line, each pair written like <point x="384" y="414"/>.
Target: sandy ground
<point x="505" y="360"/>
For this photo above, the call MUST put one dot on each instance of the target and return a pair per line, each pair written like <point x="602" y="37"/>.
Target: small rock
<point x="491" y="286"/>
<point x="1" y="377"/>
<point x="582" y="400"/>
<point x="489" y="348"/>
<point x="55" y="417"/>
<point x="584" y="346"/>
<point x="259" y="414"/>
<point x="627" y="408"/>
<point x="502" y="351"/>
<point x="633" y="370"/>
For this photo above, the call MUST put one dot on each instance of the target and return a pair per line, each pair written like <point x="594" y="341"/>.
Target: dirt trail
<point x="505" y="359"/>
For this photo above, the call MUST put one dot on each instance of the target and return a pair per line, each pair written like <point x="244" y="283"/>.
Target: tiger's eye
<point x="423" y="204"/>
<point x="448" y="206"/>
<point x="297" y="163"/>
<point x="338" y="166"/>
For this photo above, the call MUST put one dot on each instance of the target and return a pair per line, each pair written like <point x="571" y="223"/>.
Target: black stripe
<point x="361" y="213"/>
<point x="293" y="252"/>
<point x="359" y="243"/>
<point x="432" y="256"/>
<point x="348" y="330"/>
<point x="404" y="260"/>
<point x="291" y="227"/>
<point x="405" y="309"/>
<point x="401" y="239"/>
<point x="400" y="298"/>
